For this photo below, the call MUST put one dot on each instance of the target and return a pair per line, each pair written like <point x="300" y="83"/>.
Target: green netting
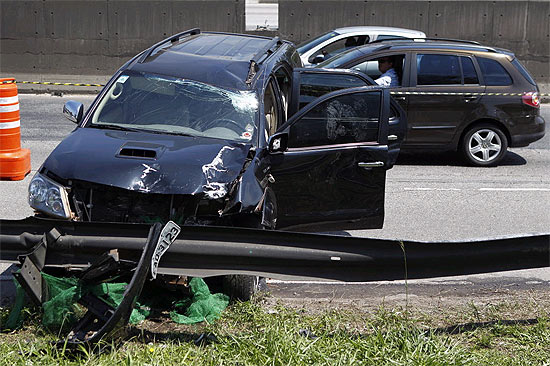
<point x="62" y="308"/>
<point x="203" y="306"/>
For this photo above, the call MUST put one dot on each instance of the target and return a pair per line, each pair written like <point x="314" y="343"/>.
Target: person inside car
<point x="389" y="76"/>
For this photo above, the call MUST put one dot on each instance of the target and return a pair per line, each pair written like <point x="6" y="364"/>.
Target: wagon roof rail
<point x="172" y="39"/>
<point x="261" y="56"/>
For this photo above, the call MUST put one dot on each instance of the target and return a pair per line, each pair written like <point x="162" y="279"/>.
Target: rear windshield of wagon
<point x="523" y="71"/>
<point x="164" y="104"/>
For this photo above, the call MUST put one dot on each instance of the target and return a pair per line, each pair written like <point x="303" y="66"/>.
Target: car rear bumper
<point x="524" y="139"/>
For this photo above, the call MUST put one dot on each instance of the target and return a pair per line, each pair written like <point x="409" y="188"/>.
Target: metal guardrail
<point x="207" y="251"/>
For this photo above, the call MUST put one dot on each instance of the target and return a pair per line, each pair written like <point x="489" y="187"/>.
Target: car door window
<point x="434" y="69"/>
<point x="370" y="67"/>
<point x="343" y="119"/>
<point x="270" y="109"/>
<point x="493" y="72"/>
<point x="383" y="37"/>
<point x="285" y="86"/>
<point x="314" y="85"/>
<point x="339" y="46"/>
<point x="469" y="71"/>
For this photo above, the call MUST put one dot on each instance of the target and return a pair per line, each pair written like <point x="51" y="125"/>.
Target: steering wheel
<point x="227" y="123"/>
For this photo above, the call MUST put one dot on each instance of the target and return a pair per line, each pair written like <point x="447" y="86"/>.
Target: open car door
<point x="329" y="162"/>
<point x="309" y="84"/>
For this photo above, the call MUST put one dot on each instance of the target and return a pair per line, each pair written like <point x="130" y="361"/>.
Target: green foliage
<point x="249" y="334"/>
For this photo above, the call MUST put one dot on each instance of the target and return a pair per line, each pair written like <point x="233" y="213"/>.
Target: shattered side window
<point x="172" y="105"/>
<point x="344" y="119"/>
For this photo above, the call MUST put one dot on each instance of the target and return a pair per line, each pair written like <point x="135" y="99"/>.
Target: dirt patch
<point x="441" y="306"/>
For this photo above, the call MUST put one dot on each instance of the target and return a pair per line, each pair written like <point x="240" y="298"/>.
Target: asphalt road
<point x="428" y="196"/>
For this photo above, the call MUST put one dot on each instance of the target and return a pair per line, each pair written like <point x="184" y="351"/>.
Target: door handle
<point x="399" y="97"/>
<point x="375" y="164"/>
<point x="470" y="98"/>
<point x="392" y="137"/>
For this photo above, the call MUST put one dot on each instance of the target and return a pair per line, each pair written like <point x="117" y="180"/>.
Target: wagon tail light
<point x="532" y="99"/>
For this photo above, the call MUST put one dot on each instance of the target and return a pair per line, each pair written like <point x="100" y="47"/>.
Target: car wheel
<point x="484" y="145"/>
<point x="243" y="287"/>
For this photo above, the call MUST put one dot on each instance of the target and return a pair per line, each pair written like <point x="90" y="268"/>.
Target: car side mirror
<point x="73" y="111"/>
<point x="318" y="59"/>
<point x="278" y="143"/>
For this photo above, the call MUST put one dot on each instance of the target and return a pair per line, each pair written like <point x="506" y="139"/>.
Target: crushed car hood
<point x="148" y="162"/>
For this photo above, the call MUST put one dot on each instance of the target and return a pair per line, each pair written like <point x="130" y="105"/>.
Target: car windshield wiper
<point x="115" y="127"/>
<point x="172" y="133"/>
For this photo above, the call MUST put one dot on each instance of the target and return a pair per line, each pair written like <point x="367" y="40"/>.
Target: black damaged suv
<point x="458" y="95"/>
<point x="225" y="129"/>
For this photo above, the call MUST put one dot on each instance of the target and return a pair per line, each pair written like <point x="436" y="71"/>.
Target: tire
<point x="243" y="287"/>
<point x="484" y="145"/>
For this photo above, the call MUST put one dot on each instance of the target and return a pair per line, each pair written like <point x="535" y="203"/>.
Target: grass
<point x="254" y="334"/>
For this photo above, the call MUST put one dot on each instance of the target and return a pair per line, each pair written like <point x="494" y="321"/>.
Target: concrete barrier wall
<point x="96" y="37"/>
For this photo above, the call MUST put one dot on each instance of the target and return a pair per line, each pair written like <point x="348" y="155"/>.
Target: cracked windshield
<point x="163" y="104"/>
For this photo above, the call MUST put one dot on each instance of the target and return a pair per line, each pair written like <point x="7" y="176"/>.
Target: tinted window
<point x="523" y="71"/>
<point x="493" y="72"/>
<point x="340" y="59"/>
<point x="339" y="46"/>
<point x="368" y="67"/>
<point x="468" y="70"/>
<point x="312" y="86"/>
<point x="383" y="37"/>
<point x="308" y="45"/>
<point x="283" y="81"/>
<point x="344" y="119"/>
<point x="437" y="70"/>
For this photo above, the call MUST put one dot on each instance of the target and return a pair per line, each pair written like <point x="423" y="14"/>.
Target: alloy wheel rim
<point x="484" y="145"/>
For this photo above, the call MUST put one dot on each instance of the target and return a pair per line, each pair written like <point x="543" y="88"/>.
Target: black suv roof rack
<point x="261" y="56"/>
<point x="474" y="43"/>
<point x="172" y="39"/>
<point x="426" y="39"/>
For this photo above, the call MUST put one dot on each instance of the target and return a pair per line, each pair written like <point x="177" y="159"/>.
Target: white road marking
<point x="432" y="189"/>
<point x="516" y="189"/>
<point x="425" y="189"/>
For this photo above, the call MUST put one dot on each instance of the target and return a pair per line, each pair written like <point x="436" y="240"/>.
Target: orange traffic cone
<point x="15" y="162"/>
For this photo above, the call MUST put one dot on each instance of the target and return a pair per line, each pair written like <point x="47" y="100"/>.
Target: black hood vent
<point x="137" y="153"/>
<point x="141" y="150"/>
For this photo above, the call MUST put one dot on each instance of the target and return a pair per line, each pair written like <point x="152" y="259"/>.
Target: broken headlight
<point x="49" y="197"/>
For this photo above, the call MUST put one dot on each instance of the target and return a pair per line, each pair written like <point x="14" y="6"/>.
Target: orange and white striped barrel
<point x="15" y="162"/>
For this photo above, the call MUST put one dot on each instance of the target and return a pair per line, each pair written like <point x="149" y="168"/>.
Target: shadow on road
<point x="432" y="158"/>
